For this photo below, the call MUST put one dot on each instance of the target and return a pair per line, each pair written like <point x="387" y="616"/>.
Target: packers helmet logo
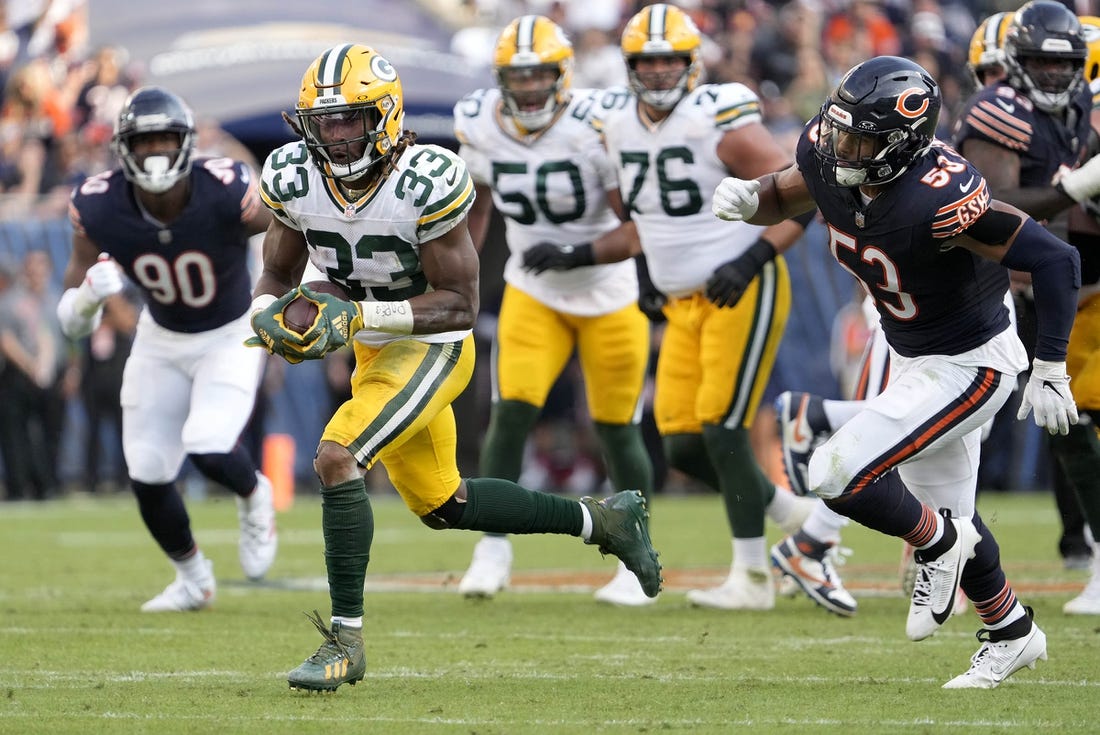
<point x="912" y="102"/>
<point x="383" y="69"/>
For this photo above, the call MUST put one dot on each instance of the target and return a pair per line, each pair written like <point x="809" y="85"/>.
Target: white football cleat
<point x="184" y="595"/>
<point x="490" y="569"/>
<point x="997" y="660"/>
<point x="259" y="540"/>
<point x="624" y="589"/>
<point x="937" y="581"/>
<point x="744" y="589"/>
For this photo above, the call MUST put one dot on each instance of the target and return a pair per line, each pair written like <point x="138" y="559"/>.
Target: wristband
<point x="261" y="302"/>
<point x="581" y="254"/>
<point x="395" y="317"/>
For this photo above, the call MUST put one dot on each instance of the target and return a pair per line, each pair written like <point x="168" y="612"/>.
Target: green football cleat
<point x="619" y="527"/>
<point x="340" y="659"/>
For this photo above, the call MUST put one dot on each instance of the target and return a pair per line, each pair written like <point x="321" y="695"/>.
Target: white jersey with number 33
<point x="371" y="245"/>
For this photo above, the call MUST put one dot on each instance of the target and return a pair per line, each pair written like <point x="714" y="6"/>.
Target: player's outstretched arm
<point x="767" y="200"/>
<point x="1008" y="236"/>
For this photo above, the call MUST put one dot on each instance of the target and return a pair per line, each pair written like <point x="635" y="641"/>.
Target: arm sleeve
<point x="1055" y="269"/>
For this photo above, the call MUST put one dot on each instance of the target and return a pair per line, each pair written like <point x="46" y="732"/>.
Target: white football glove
<point x="1083" y="182"/>
<point x="100" y="281"/>
<point x="735" y="199"/>
<point x="1047" y="394"/>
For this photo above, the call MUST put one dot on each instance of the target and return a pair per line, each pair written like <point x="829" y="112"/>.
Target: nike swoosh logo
<point x="941" y="616"/>
<point x="450" y="181"/>
<point x="1007" y="106"/>
<point x="797" y="434"/>
<point x="966" y="187"/>
<point x="796" y="566"/>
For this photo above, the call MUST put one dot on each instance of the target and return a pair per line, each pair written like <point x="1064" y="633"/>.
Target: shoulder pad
<point x="956" y="190"/>
<point x="727" y="105"/>
<point x="437" y="183"/>
<point x="471" y="110"/>
<point x="1003" y="116"/>
<point x="285" y="175"/>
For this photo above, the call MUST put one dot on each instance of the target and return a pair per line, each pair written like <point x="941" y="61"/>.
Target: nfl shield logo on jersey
<point x="349" y="210"/>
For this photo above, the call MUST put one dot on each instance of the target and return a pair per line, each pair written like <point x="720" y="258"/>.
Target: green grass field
<point x="76" y="656"/>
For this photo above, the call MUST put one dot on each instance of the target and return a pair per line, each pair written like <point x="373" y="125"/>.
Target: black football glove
<point x="546" y="256"/>
<point x="650" y="300"/>
<point x="729" y="281"/>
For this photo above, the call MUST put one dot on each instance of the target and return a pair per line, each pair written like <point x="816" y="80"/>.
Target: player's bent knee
<point x="335" y="464"/>
<point x="146" y="465"/>
<point x="821" y="483"/>
<point x="447" y="515"/>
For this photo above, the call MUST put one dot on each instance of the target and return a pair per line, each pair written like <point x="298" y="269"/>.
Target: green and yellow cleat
<point x="339" y="660"/>
<point x="619" y="527"/>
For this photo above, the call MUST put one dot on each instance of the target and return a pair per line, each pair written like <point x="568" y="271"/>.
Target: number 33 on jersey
<point x="370" y="245"/>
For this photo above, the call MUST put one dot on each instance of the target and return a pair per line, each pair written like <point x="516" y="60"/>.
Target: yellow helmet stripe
<point x="657" y="22"/>
<point x="525" y="34"/>
<point x="330" y="72"/>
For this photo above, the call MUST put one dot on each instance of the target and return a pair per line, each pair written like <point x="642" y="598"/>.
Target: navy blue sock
<point x="165" y="516"/>
<point x="885" y="505"/>
<point x="234" y="469"/>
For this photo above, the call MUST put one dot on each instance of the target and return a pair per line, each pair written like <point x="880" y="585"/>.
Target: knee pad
<point x="148" y="465"/>
<point x="817" y="474"/>
<point x="445" y="516"/>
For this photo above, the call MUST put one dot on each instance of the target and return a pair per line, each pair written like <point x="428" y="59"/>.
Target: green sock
<point x="628" y="462"/>
<point x="348" y="524"/>
<point x="509" y="424"/>
<point x="1079" y="454"/>
<point x="744" y="487"/>
<point x="502" y="506"/>
<point x="688" y="453"/>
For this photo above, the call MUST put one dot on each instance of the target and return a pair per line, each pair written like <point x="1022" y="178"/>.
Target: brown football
<point x="300" y="313"/>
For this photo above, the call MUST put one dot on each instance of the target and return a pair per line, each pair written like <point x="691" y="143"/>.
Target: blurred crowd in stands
<point x="61" y="94"/>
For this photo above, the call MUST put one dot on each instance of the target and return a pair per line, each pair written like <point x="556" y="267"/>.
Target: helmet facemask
<point x="158" y="172"/>
<point x="346" y="141"/>
<point x="662" y="90"/>
<point x="1050" y="82"/>
<point x="858" y="157"/>
<point x="532" y="107"/>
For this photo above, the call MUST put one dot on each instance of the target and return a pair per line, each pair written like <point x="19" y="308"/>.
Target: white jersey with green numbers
<point x="667" y="175"/>
<point x="550" y="187"/>
<point x="371" y="246"/>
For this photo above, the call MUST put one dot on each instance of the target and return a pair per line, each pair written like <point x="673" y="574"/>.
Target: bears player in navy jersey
<point x="1028" y="132"/>
<point x="915" y="223"/>
<point x="386" y="219"/>
<point x="178" y="227"/>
